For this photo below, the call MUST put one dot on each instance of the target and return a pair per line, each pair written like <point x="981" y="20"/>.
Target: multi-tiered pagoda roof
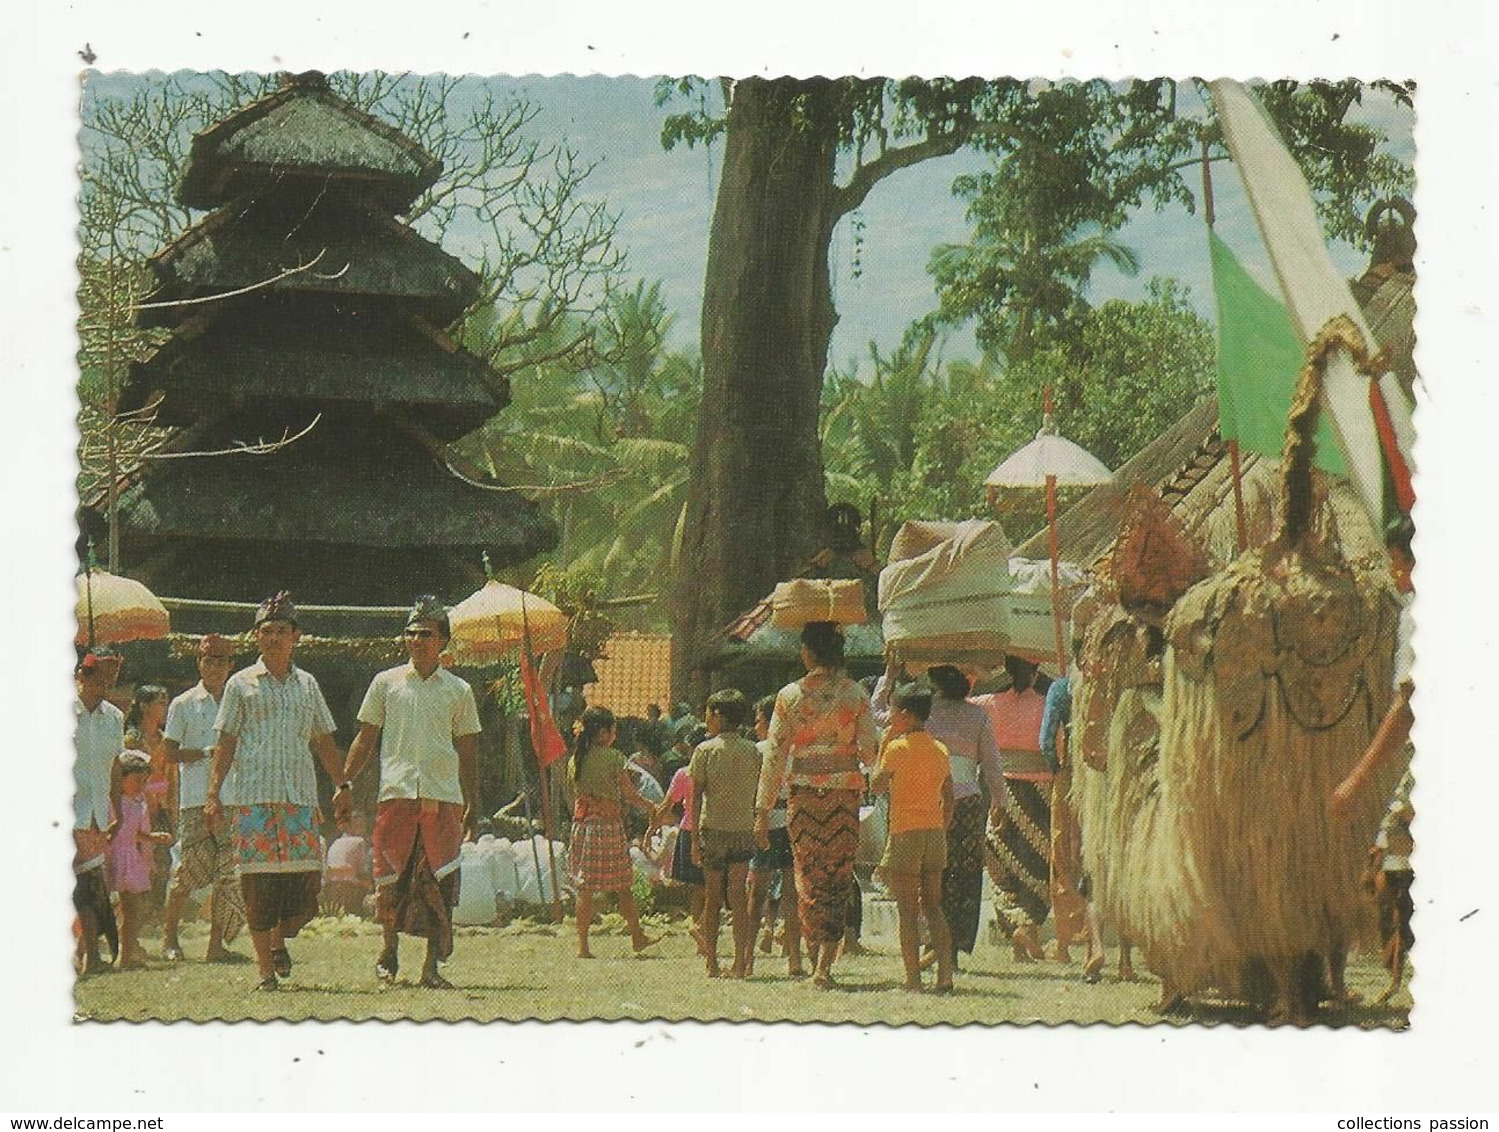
<point x="302" y="298"/>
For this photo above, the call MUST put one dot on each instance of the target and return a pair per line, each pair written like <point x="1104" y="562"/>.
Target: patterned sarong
<point x="1067" y="902"/>
<point x="89" y="849"/>
<point x="417" y="846"/>
<point x="210" y="860"/>
<point x="91" y="895"/>
<point x="600" y="856"/>
<point x="277" y="837"/>
<point x="824" y="827"/>
<point x="1022" y="844"/>
<point x="963" y="879"/>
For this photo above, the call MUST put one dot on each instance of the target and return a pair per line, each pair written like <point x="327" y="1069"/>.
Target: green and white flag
<point x="1259" y="358"/>
<point x="1314" y="292"/>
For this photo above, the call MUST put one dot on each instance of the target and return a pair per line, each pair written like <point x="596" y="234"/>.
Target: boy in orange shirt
<point x="914" y="770"/>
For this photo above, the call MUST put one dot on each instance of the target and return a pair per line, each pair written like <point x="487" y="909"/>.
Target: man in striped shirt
<point x="271" y="721"/>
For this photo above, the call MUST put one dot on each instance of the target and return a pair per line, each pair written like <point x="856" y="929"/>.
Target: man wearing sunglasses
<point x="424" y="722"/>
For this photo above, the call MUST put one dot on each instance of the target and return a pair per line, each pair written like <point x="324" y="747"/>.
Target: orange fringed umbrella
<point x="493" y="623"/>
<point x="112" y="610"/>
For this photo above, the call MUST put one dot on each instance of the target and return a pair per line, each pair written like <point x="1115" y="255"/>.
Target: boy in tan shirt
<point x="725" y="774"/>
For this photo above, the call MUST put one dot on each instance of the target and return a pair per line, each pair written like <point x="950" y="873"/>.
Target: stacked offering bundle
<point x="800" y="601"/>
<point x="943" y="595"/>
<point x="953" y="595"/>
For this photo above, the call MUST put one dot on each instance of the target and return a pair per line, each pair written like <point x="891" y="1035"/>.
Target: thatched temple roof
<point x="357" y="252"/>
<point x="374" y="356"/>
<point x="305" y="131"/>
<point x="373" y="486"/>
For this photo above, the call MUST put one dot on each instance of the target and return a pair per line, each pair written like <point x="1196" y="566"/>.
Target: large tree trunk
<point x="756" y="507"/>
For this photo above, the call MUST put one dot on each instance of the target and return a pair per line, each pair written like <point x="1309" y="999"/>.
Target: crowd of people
<point x="766" y="799"/>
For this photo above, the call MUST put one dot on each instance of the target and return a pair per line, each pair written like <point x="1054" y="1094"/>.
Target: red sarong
<point x="396" y="823"/>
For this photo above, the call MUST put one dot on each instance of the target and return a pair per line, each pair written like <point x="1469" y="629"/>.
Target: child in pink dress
<point x="130" y="851"/>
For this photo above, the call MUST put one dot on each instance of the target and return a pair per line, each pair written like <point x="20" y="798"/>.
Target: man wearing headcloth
<point x="424" y="722"/>
<point x="207" y="857"/>
<point x="98" y="740"/>
<point x="271" y="722"/>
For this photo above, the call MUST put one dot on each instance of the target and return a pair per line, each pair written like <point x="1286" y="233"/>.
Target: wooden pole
<point x="1241" y="524"/>
<point x="1056" y="587"/>
<point x="541" y="771"/>
<point x="546" y="824"/>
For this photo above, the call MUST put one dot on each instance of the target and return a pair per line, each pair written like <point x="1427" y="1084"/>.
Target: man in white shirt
<point x="98" y="740"/>
<point x="424" y="722"/>
<point x="207" y="857"/>
<point x="271" y="721"/>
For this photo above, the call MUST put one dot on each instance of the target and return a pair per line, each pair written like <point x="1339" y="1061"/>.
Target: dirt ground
<point x="528" y="970"/>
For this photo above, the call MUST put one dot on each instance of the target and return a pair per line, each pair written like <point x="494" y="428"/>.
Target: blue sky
<point x="665" y="205"/>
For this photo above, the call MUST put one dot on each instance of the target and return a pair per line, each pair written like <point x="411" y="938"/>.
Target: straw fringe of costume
<point x="1021" y="842"/>
<point x="1221" y="860"/>
<point x="963" y="879"/>
<point x="1067" y="903"/>
<point x="824" y="827"/>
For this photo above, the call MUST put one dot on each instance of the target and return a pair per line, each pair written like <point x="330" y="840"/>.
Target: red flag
<point x="546" y="740"/>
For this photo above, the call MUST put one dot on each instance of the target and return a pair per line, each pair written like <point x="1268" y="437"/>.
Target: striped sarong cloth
<point x="1022" y="844"/>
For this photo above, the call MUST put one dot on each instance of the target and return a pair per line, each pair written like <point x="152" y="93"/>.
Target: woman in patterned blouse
<point x="822" y="734"/>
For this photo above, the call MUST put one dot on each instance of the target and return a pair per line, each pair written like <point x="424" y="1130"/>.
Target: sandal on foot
<point x="386" y="968"/>
<point x="281" y="962"/>
<point x="433" y="981"/>
<point x="172" y="953"/>
<point x="268" y="983"/>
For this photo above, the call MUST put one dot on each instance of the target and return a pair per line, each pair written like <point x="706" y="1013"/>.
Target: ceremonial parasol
<point x="112" y="610"/>
<point x="495" y="622"/>
<point x="1047" y="461"/>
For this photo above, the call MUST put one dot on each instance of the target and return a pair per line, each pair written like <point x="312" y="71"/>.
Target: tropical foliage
<point x="604" y="447"/>
<point x="918" y="437"/>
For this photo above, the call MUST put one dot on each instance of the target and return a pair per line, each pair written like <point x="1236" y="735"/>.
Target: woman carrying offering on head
<point x="822" y="735"/>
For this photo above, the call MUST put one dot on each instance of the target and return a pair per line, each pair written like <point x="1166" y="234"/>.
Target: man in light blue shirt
<point x="272" y="720"/>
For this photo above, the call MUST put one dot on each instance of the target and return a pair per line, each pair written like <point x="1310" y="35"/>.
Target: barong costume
<point x="270" y="794"/>
<point x="1022" y="839"/>
<point x="205" y="858"/>
<point x="820" y="734"/>
<point x="418" y="831"/>
<point x="974" y="760"/>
